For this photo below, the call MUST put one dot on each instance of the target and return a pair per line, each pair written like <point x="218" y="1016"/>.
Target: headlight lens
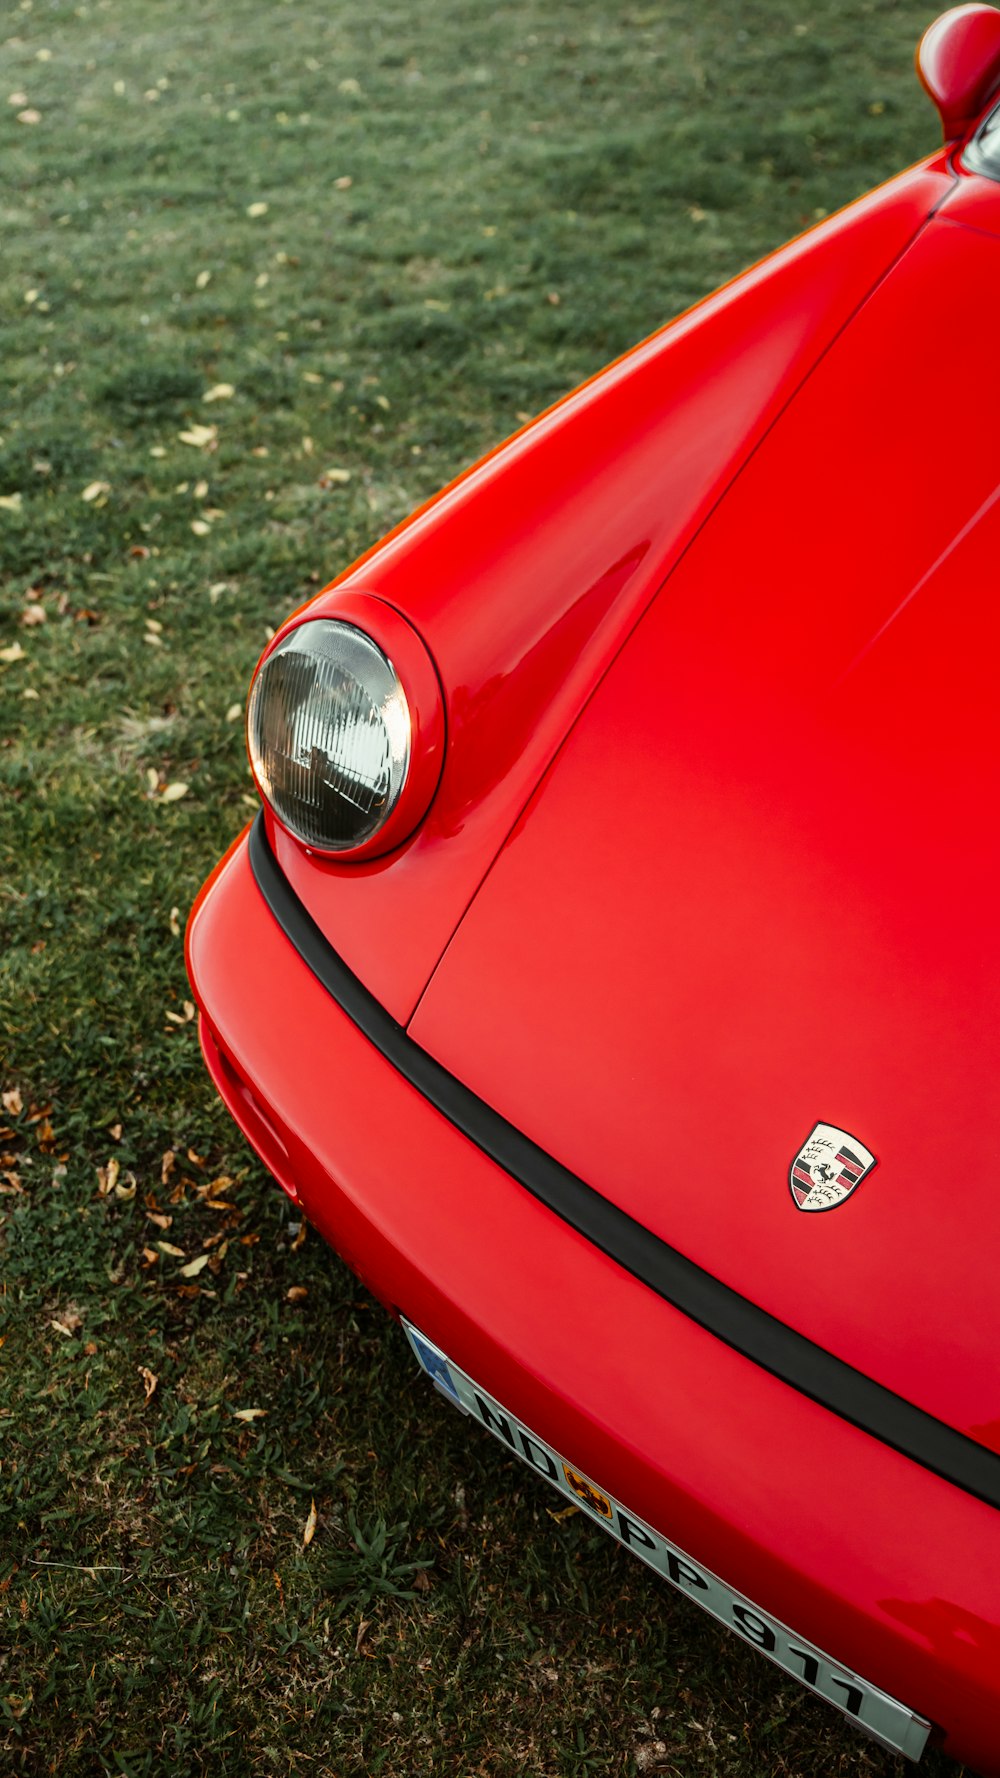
<point x="329" y="733"/>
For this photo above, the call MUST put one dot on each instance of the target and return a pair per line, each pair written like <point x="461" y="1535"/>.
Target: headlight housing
<point x="345" y="728"/>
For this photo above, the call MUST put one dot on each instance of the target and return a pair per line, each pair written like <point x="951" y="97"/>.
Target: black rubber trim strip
<point x="721" y="1310"/>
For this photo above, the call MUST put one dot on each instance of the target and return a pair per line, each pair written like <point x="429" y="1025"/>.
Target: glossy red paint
<point x="958" y="61"/>
<point x="975" y="203"/>
<point x="526" y="577"/>
<point x="872" y="1557"/>
<point x="711" y="859"/>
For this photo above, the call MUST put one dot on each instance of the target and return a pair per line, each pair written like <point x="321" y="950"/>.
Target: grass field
<point x="243" y="245"/>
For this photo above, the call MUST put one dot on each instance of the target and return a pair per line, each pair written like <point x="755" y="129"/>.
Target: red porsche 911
<point x="611" y="973"/>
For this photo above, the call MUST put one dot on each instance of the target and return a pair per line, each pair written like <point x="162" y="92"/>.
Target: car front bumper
<point x="887" y="1567"/>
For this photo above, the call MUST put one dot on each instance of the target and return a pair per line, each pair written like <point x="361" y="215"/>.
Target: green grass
<point x="435" y="177"/>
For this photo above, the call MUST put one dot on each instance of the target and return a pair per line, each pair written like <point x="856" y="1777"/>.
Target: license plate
<point x="873" y="1710"/>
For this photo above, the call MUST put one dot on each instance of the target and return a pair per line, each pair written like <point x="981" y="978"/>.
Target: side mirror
<point x="958" y="61"/>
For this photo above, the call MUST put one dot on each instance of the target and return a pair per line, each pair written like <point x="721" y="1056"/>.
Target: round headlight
<point x="329" y="731"/>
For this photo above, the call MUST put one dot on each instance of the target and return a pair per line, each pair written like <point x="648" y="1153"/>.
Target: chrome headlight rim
<point x="408" y="660"/>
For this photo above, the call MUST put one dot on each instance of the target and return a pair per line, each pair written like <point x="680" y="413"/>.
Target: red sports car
<point x="611" y="973"/>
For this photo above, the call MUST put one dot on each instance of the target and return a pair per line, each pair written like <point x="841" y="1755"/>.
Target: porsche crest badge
<point x="829" y="1166"/>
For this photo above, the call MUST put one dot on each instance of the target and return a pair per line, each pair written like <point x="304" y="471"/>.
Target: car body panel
<point x="886" y="1566"/>
<point x="757" y="889"/>
<point x="526" y="576"/>
<point x="975" y="201"/>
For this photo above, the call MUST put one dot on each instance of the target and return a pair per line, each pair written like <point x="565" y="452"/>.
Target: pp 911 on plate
<point x="738" y="589"/>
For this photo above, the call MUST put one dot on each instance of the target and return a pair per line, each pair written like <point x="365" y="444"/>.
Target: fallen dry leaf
<point x="107" y="1177"/>
<point x="30" y="115"/>
<point x="202" y="280"/>
<point x="234" y="712"/>
<point x="219" y="392"/>
<point x="200" y="527"/>
<point x="13" y="1103"/>
<point x="32" y="615"/>
<point x="14" y="652"/>
<point x="167" y="1165"/>
<point x="149" y="1380"/>
<point x="309" y="1528"/>
<point x="161" y="1221"/>
<point x="172" y="793"/>
<point x="94" y="490"/>
<point x="297" y="1293"/>
<point x="249" y="1413"/>
<point x="11" y="502"/>
<point x="68" y="1323"/>
<point x="199" y="436"/>
<point x="195" y="1266"/>
<point x="168" y="1248"/>
<point x="335" y="477"/>
<point x="214" y="1187"/>
<point x="257" y="209"/>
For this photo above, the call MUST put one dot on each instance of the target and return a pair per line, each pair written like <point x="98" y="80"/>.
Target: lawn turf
<point x="379" y="236"/>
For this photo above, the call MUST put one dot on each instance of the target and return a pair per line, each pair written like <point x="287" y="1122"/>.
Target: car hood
<point x="756" y="890"/>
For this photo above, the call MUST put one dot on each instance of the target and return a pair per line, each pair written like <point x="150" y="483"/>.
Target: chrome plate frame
<point x="874" y="1711"/>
